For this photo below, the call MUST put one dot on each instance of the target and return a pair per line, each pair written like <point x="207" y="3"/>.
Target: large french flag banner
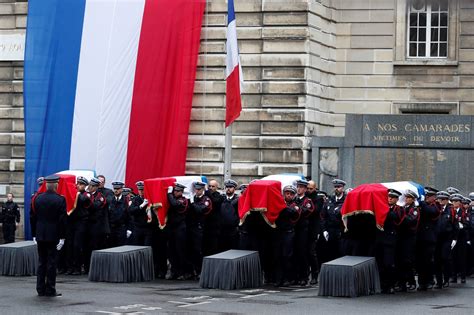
<point x="108" y="86"/>
<point x="233" y="70"/>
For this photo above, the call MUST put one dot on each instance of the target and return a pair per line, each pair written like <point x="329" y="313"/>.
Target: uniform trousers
<point x="46" y="274"/>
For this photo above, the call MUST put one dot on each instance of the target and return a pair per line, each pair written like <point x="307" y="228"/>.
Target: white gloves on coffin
<point x="144" y="203"/>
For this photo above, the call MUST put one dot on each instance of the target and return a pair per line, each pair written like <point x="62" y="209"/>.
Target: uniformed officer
<point x="229" y="218"/>
<point x="142" y="233"/>
<point x="48" y="222"/>
<point x="96" y="222"/>
<point x="176" y="226"/>
<point x="284" y="238"/>
<point x="452" y="190"/>
<point x="426" y="239"/>
<point x="201" y="206"/>
<point x="314" y="229"/>
<point x="460" y="250"/>
<point x="106" y="192"/>
<point x="331" y="222"/>
<point x="210" y="242"/>
<point x="448" y="230"/>
<point x="466" y="203"/>
<point x="119" y="217"/>
<point x="406" y="244"/>
<point x="76" y="227"/>
<point x="10" y="217"/>
<point x="385" y="243"/>
<point x="302" y="248"/>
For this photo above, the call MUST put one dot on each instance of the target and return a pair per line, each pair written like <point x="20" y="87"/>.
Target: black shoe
<point x="402" y="288"/>
<point x="446" y="284"/>
<point x="303" y="283"/>
<point x="70" y="272"/>
<point x="41" y="294"/>
<point x="61" y="271"/>
<point x="422" y="288"/>
<point x="438" y="285"/>
<point x="314" y="281"/>
<point x="55" y="294"/>
<point x="411" y="287"/>
<point x="388" y="291"/>
<point x="76" y="273"/>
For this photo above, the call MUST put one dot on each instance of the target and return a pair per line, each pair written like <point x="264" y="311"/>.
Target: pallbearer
<point x="409" y="218"/>
<point x="426" y="239"/>
<point x="448" y="230"/>
<point x="385" y="244"/>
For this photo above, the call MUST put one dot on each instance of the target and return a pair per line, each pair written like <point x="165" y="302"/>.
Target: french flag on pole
<point x="108" y="87"/>
<point x="233" y="71"/>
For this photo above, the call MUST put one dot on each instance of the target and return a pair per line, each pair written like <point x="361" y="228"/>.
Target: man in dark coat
<point x="119" y="217"/>
<point x="10" y="217"/>
<point x="385" y="243"/>
<point x="142" y="233"/>
<point x="426" y="239"/>
<point x="48" y="221"/>
<point x="229" y="218"/>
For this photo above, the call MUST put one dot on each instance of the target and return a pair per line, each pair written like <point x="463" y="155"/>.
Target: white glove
<point x="468" y="242"/>
<point x="129" y="233"/>
<point x="326" y="235"/>
<point x="170" y="189"/>
<point x="461" y="226"/>
<point x="60" y="244"/>
<point x="453" y="243"/>
<point x="34" y="240"/>
<point x="191" y="200"/>
<point x="144" y="203"/>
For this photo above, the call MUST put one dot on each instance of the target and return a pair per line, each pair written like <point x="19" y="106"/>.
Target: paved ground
<point x="18" y="296"/>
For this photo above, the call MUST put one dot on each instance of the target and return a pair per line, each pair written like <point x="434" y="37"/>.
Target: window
<point x="428" y="29"/>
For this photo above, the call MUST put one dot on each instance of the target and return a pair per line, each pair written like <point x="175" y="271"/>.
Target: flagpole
<point x="228" y="152"/>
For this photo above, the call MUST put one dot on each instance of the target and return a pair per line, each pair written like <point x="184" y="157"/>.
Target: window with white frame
<point x="427" y="29"/>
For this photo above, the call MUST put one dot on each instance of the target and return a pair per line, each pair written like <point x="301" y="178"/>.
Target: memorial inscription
<point x="423" y="131"/>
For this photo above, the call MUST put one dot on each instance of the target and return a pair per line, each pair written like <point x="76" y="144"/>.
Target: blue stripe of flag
<point x="53" y="41"/>
<point x="230" y="11"/>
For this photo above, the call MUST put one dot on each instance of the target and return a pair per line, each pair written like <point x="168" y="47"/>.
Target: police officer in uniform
<point x="426" y="239"/>
<point x="48" y="222"/>
<point x="176" y="226"/>
<point x="460" y="249"/>
<point x="10" y="217"/>
<point x="96" y="222"/>
<point x="284" y="238"/>
<point x="406" y="245"/>
<point x="201" y="206"/>
<point x="119" y="217"/>
<point x="210" y="242"/>
<point x="229" y="218"/>
<point x="142" y="233"/>
<point x="385" y="243"/>
<point x="77" y="227"/>
<point x="306" y="208"/>
<point x="331" y="222"/>
<point x="106" y="192"/>
<point x="448" y="230"/>
<point x="314" y="229"/>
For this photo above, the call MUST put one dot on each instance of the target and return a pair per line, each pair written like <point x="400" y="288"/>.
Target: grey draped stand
<point x="18" y="259"/>
<point x="122" y="264"/>
<point x="349" y="276"/>
<point x="232" y="269"/>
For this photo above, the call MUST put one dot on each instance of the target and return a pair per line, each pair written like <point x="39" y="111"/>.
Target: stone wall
<point x="12" y="139"/>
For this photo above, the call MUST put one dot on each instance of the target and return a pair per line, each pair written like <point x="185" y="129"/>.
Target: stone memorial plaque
<point x="439" y="168"/>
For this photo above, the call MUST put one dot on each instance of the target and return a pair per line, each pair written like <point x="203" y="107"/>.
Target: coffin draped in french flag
<point x="108" y="85"/>
<point x="373" y="199"/>
<point x="262" y="196"/>
<point x="156" y="190"/>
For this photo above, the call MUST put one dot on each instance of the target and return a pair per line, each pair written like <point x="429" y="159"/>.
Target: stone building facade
<point x="306" y="64"/>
